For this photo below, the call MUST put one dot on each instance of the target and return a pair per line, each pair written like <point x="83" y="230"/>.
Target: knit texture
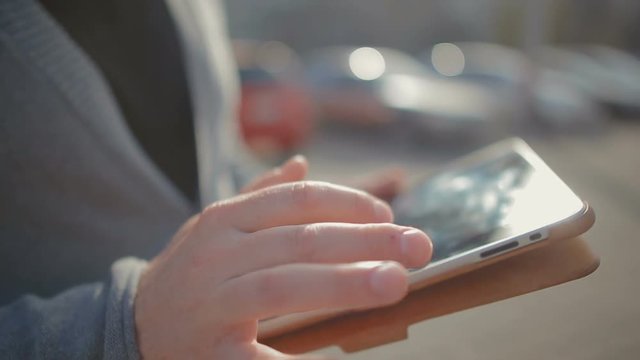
<point x="77" y="193"/>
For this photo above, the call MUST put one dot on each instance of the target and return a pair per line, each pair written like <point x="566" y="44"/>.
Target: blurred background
<point x="360" y="85"/>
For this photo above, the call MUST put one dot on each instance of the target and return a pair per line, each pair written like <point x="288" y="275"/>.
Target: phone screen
<point x="467" y="208"/>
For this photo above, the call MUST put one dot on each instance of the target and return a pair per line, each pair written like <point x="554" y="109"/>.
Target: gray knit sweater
<point x="77" y="194"/>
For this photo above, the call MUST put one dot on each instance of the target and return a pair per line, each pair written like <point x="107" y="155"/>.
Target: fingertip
<point x="297" y="166"/>
<point x="383" y="212"/>
<point x="416" y="246"/>
<point x="429" y="249"/>
<point x="298" y="159"/>
<point x="389" y="282"/>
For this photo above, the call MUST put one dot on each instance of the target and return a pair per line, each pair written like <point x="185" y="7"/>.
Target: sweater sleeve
<point x="92" y="321"/>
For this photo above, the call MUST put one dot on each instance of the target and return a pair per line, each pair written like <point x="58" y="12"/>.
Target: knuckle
<point x="341" y="285"/>
<point x="392" y="242"/>
<point x="206" y="255"/>
<point x="306" y="194"/>
<point x="269" y="291"/>
<point x="371" y="232"/>
<point x="212" y="213"/>
<point x="382" y="240"/>
<point x="303" y="242"/>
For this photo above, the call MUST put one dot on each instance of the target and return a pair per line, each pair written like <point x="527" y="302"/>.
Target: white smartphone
<point x="494" y="203"/>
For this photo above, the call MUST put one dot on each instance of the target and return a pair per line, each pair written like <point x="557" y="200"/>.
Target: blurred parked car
<point x="368" y="86"/>
<point x="276" y="111"/>
<point x="625" y="69"/>
<point x="608" y="75"/>
<point x="547" y="96"/>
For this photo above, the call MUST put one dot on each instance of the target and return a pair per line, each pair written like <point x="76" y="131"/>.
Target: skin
<point x="285" y="245"/>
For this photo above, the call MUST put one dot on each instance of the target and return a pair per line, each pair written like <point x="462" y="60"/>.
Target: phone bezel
<point x="437" y="271"/>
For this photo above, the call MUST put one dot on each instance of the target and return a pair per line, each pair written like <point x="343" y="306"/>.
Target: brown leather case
<point x="546" y="266"/>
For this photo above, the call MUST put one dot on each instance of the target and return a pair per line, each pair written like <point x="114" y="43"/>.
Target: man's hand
<point x="287" y="248"/>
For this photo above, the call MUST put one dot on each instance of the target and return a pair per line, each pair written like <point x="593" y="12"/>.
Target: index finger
<point x="298" y="203"/>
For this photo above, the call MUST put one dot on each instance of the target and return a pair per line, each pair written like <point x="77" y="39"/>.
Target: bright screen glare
<point x="465" y="209"/>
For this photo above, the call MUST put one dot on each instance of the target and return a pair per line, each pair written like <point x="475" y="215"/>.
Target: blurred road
<point x="593" y="318"/>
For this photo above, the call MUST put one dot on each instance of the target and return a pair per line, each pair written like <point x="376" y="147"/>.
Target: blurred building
<point x="413" y="25"/>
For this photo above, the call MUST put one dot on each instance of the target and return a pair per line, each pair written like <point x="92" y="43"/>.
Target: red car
<point x="276" y="110"/>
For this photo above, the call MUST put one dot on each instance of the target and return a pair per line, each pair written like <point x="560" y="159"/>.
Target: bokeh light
<point x="367" y="63"/>
<point x="447" y="59"/>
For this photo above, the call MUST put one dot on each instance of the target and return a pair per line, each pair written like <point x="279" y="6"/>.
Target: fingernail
<point x="297" y="158"/>
<point x="414" y="245"/>
<point x="410" y="240"/>
<point x="387" y="281"/>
